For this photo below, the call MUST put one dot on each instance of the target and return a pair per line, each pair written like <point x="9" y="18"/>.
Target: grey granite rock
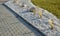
<point x="41" y="23"/>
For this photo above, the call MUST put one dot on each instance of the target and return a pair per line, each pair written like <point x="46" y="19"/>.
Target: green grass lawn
<point x="52" y="6"/>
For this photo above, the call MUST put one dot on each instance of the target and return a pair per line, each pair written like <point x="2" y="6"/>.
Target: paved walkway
<point x="11" y="26"/>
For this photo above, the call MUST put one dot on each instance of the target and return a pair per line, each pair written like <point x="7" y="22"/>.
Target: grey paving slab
<point x="4" y="12"/>
<point x="11" y="26"/>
